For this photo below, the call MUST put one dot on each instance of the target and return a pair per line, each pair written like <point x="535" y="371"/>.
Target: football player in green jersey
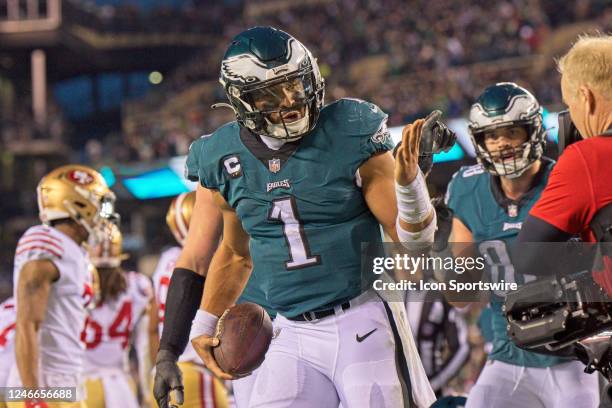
<point x="300" y="186"/>
<point x="490" y="202"/>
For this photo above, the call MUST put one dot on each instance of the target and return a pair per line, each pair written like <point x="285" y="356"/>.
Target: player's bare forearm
<point x="26" y="353"/>
<point x="152" y="330"/>
<point x="228" y="275"/>
<point x="378" y="191"/>
<point x="33" y="291"/>
<point x="231" y="265"/>
<point x="204" y="233"/>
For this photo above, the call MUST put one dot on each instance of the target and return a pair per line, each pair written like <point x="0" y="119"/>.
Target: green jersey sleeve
<point x="206" y="160"/>
<point x="460" y="193"/>
<point x="377" y="138"/>
<point x="358" y="129"/>
<point x="192" y="166"/>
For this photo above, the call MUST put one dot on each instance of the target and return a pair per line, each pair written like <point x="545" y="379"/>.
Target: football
<point x="245" y="333"/>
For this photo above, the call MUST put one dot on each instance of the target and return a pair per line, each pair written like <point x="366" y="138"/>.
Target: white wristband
<point x="413" y="204"/>
<point x="204" y="323"/>
<point x="417" y="241"/>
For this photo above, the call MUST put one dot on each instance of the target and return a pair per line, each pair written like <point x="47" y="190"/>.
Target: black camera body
<point x="574" y="308"/>
<point x="567" y="133"/>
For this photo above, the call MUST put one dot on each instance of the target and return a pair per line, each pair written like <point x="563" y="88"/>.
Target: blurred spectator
<point x="438" y="57"/>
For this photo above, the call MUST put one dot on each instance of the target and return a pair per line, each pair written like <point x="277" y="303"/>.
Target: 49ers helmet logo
<point x="80" y="177"/>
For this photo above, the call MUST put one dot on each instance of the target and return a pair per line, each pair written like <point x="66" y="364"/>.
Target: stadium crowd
<point x="406" y="62"/>
<point x="410" y="62"/>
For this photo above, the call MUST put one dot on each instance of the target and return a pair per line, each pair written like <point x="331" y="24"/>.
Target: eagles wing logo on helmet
<point x="258" y="64"/>
<point x="247" y="68"/>
<point x="244" y="69"/>
<point x="505" y="105"/>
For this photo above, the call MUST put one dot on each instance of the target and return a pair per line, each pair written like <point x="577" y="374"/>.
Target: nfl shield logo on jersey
<point x="274" y="165"/>
<point x="512" y="210"/>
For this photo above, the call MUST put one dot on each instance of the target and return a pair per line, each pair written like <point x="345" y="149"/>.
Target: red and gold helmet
<point x="179" y="215"/>
<point x="76" y="192"/>
<point x="107" y="253"/>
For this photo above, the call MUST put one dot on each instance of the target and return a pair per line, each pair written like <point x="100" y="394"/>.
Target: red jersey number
<point x="164" y="283"/>
<point x="119" y="329"/>
<point x="4" y="334"/>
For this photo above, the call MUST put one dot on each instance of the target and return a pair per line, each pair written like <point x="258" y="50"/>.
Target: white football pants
<point x="361" y="357"/>
<point x="503" y="385"/>
<point x="242" y="389"/>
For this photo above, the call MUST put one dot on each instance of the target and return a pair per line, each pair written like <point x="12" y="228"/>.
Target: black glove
<point x="168" y="378"/>
<point x="436" y="137"/>
<point x="445" y="224"/>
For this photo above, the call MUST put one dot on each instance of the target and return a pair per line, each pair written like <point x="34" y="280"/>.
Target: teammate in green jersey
<point x="490" y="201"/>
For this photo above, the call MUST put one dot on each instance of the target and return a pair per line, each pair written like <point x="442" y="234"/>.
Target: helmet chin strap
<point x="289" y="132"/>
<point x="503" y="170"/>
<point x="272" y="142"/>
<point x="94" y="234"/>
<point x="519" y="173"/>
<point x="223" y="105"/>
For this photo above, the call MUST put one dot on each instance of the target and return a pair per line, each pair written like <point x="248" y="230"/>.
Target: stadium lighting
<point x="155" y="184"/>
<point x="156" y="77"/>
<point x="109" y="175"/>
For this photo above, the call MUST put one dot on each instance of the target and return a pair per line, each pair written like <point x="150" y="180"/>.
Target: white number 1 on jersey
<point x="285" y="210"/>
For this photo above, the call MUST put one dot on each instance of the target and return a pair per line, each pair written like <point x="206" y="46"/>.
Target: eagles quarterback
<point x="300" y="186"/>
<point x="490" y="201"/>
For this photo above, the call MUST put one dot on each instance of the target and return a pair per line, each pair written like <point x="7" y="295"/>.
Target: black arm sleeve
<point x="537" y="230"/>
<point x="182" y="303"/>
<point x="540" y="259"/>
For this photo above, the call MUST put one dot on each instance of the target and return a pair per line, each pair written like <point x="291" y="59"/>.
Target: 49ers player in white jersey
<point x="125" y="313"/>
<point x="53" y="282"/>
<point x="7" y="343"/>
<point x="201" y="388"/>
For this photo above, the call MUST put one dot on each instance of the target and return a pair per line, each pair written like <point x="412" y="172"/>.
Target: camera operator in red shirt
<point x="580" y="185"/>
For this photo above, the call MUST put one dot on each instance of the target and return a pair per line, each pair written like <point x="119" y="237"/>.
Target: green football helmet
<point x="506" y="105"/>
<point x="273" y="83"/>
